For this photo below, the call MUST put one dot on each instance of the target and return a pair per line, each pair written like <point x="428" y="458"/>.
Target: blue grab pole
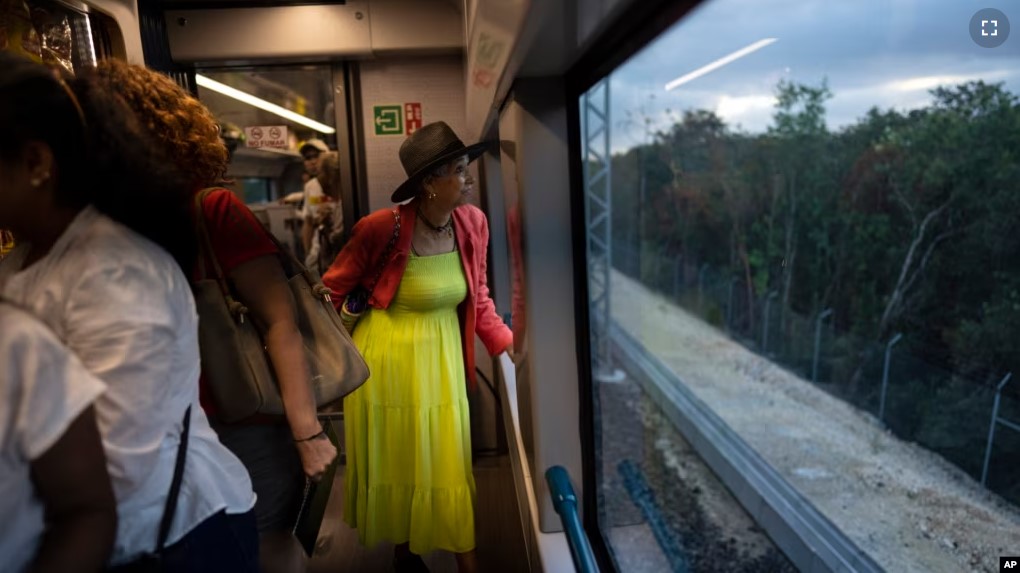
<point x="565" y="503"/>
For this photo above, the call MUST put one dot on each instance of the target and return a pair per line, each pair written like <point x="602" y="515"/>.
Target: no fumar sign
<point x="262" y="136"/>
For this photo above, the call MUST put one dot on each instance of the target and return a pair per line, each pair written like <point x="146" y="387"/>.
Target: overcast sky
<point x="885" y="53"/>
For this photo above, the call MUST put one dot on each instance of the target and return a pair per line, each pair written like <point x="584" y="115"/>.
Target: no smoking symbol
<point x="274" y="133"/>
<point x="256" y="133"/>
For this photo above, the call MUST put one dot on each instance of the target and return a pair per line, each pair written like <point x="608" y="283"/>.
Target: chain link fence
<point x="947" y="412"/>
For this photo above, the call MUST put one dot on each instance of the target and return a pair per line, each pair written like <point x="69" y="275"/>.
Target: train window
<point x="256" y="190"/>
<point x="266" y="114"/>
<point x="300" y="99"/>
<point x="804" y="215"/>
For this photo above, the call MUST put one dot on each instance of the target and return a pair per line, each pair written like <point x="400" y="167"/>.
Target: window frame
<point x="637" y="26"/>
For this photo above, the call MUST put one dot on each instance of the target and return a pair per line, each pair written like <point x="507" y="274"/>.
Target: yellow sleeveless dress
<point x="407" y="429"/>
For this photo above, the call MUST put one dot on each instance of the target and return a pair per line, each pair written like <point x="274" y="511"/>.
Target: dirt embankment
<point x="906" y="507"/>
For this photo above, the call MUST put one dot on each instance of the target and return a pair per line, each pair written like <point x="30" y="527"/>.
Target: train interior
<point x="760" y="258"/>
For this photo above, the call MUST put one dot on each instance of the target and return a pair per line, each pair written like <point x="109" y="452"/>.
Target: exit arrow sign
<point x="388" y="119"/>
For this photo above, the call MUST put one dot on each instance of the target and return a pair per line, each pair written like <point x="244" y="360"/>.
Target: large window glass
<point x="808" y="214"/>
<point x="265" y="115"/>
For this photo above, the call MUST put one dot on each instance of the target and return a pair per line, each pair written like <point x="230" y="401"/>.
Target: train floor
<point x="497" y="521"/>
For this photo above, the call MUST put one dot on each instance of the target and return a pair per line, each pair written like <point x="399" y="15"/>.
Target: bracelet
<point x="318" y="434"/>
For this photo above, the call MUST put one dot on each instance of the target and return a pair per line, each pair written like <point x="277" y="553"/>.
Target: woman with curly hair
<point x="70" y="157"/>
<point x="274" y="451"/>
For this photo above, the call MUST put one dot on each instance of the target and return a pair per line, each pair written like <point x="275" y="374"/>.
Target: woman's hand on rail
<point x="516" y="357"/>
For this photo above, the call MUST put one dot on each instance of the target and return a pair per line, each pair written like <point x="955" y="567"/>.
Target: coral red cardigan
<point x="358" y="263"/>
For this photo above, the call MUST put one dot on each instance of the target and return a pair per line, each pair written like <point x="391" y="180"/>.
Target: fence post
<point x="818" y="343"/>
<point x="991" y="427"/>
<point x="729" y="305"/>
<point x="765" y="323"/>
<point x="885" y="374"/>
<point x="677" y="265"/>
<point x="701" y="286"/>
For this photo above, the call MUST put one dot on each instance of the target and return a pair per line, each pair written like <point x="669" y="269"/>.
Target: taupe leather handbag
<point x="235" y="365"/>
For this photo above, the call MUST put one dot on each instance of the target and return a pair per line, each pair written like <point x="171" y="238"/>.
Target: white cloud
<point x="752" y="112"/>
<point x="848" y="105"/>
<point x="931" y="82"/>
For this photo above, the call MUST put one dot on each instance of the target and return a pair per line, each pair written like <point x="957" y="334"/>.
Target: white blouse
<point x="124" y="307"/>
<point x="43" y="388"/>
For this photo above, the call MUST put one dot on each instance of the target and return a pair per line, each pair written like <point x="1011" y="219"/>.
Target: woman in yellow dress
<point x="421" y="267"/>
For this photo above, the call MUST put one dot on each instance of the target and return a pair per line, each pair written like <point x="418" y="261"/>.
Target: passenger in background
<point x="311" y="151"/>
<point x="275" y="451"/>
<point x="408" y="434"/>
<point x="232" y="137"/>
<point x="55" y="496"/>
<point x="121" y="304"/>
<point x="328" y="221"/>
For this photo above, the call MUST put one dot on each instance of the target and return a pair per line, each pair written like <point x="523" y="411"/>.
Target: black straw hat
<point x="429" y="147"/>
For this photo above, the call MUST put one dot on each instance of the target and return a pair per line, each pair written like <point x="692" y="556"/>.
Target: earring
<point x="37" y="181"/>
<point x="431" y="195"/>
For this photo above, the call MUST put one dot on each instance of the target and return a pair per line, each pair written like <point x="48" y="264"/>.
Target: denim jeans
<point x="268" y="453"/>
<point x="221" y="543"/>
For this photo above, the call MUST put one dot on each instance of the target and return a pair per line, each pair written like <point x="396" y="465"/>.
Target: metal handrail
<point x="565" y="503"/>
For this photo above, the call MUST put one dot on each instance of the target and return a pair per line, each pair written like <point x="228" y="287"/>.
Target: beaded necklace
<point x="446" y="228"/>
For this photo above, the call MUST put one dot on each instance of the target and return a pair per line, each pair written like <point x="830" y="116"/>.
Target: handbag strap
<point x="313" y="281"/>
<point x="205" y="243"/>
<point x="175" y="485"/>
<point x="381" y="264"/>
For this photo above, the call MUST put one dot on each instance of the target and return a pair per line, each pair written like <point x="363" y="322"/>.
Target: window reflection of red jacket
<point x="518" y="301"/>
<point x="358" y="263"/>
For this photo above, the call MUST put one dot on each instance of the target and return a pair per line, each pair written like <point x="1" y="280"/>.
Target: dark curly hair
<point x="184" y="127"/>
<point x="99" y="151"/>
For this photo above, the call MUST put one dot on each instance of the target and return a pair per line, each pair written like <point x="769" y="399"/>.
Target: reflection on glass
<point x="518" y="301"/>
<point x="259" y="103"/>
<point x="265" y="144"/>
<point x="819" y="238"/>
<point x="6" y="243"/>
<point x="47" y="32"/>
<point x="518" y="305"/>
<point x="300" y="100"/>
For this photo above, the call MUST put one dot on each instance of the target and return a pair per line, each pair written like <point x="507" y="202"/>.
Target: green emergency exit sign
<point x="388" y="119"/>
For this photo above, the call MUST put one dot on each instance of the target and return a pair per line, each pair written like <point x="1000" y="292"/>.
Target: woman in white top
<point x="121" y="303"/>
<point x="55" y="496"/>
